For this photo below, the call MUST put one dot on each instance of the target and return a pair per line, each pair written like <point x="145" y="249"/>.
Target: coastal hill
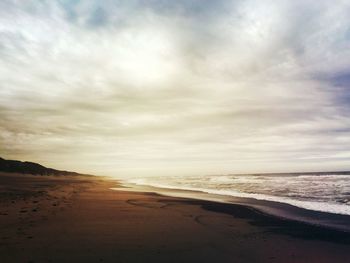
<point x="13" y="166"/>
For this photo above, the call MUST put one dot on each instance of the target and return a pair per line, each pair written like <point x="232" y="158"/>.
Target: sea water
<point x="319" y="192"/>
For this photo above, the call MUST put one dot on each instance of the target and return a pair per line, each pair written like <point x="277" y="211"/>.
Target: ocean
<point x="325" y="192"/>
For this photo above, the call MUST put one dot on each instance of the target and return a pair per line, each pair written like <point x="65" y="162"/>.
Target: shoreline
<point x="81" y="219"/>
<point x="287" y="188"/>
<point x="284" y="211"/>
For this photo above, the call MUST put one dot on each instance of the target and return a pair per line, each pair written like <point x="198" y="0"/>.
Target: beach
<point x="82" y="219"/>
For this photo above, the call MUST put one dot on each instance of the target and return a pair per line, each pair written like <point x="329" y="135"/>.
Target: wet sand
<point x="80" y="219"/>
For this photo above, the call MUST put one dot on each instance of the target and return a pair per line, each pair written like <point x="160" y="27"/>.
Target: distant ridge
<point x="12" y="166"/>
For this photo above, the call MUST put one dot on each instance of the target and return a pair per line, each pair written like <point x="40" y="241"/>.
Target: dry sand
<point x="80" y="219"/>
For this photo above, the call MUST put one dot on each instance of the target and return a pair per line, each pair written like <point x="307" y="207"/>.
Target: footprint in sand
<point x="146" y="203"/>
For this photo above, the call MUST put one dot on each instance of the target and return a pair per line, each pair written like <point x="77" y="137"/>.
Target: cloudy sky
<point x="176" y="87"/>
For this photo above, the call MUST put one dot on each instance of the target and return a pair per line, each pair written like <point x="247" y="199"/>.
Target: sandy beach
<point x="81" y="219"/>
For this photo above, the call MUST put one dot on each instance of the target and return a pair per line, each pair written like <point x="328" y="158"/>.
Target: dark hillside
<point x="12" y="166"/>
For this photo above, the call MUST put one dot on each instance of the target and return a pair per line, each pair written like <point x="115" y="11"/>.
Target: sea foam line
<point x="310" y="205"/>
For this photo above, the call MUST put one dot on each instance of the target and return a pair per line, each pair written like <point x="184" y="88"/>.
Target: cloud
<point x="175" y="86"/>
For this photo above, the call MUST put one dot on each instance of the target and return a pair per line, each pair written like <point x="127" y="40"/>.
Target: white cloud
<point x="107" y="88"/>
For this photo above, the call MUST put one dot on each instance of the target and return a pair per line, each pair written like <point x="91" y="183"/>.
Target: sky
<point x="134" y="88"/>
